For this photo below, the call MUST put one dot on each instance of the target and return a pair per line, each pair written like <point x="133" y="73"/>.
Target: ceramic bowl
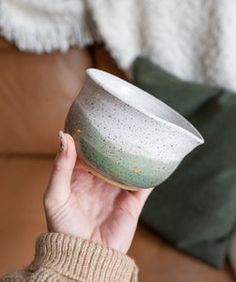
<point x="126" y="136"/>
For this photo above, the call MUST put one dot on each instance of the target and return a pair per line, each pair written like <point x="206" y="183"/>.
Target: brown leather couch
<point x="35" y="94"/>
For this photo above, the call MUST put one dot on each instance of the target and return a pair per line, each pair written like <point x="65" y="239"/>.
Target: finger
<point x="133" y="201"/>
<point x="59" y="184"/>
<point x="142" y="195"/>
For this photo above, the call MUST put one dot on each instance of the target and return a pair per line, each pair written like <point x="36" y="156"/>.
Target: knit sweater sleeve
<point x="60" y="257"/>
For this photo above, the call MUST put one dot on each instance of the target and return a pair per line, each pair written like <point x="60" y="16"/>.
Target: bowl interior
<point x="142" y="101"/>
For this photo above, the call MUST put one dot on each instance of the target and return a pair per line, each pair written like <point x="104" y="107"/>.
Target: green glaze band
<point x="141" y="171"/>
<point x="125" y="168"/>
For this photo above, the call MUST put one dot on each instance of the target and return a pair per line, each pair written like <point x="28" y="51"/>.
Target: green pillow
<point x="195" y="208"/>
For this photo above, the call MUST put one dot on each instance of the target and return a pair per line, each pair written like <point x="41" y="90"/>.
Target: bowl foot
<point x="90" y="169"/>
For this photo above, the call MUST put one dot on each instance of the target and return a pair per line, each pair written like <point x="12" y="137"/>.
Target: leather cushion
<point x="36" y="92"/>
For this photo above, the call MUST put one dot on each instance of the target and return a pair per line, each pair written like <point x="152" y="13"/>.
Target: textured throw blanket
<point x="194" y="40"/>
<point x="195" y="208"/>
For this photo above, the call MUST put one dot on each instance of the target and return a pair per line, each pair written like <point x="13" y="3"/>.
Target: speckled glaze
<point x="126" y="134"/>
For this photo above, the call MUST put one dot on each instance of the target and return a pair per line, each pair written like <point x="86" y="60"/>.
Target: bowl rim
<point x="91" y="73"/>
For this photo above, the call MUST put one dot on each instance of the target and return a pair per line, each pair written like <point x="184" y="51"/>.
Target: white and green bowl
<point x="126" y="135"/>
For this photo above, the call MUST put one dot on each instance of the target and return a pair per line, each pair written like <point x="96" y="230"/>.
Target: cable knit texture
<point x="60" y="257"/>
<point x="194" y="40"/>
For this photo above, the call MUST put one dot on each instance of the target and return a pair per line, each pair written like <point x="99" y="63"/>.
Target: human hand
<point x="78" y="203"/>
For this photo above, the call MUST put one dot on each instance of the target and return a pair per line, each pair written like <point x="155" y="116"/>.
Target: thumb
<point x="59" y="189"/>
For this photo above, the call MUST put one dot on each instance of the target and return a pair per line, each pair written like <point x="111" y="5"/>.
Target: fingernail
<point x="62" y="141"/>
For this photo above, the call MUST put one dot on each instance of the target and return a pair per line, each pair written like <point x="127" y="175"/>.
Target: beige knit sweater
<point x="60" y="257"/>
